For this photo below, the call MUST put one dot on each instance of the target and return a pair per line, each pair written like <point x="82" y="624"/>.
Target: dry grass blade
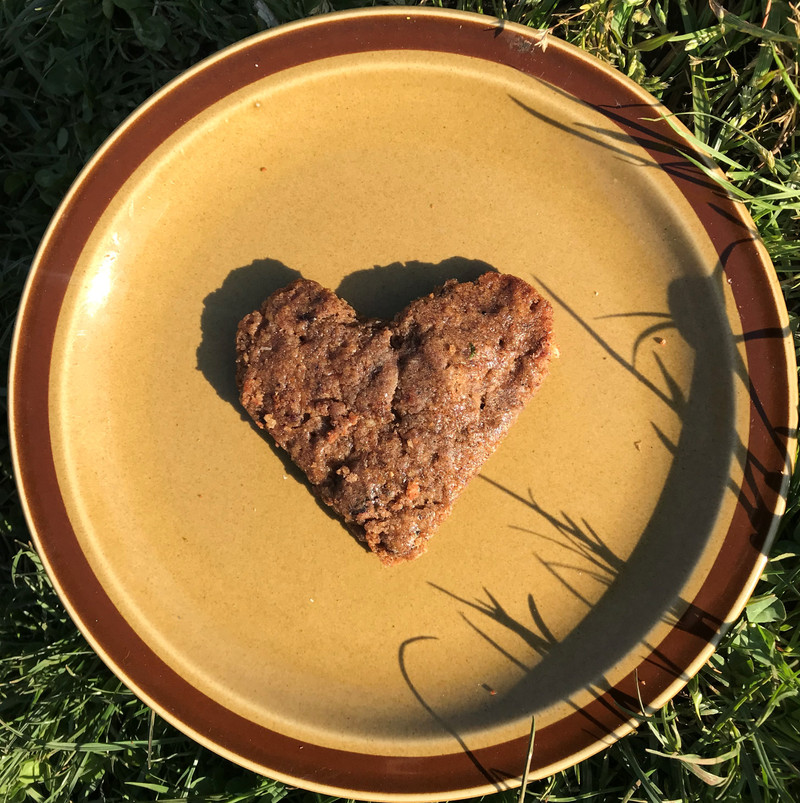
<point x="528" y="758"/>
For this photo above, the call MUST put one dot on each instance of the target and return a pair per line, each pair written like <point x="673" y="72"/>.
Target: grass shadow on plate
<point x="644" y="589"/>
<point x="629" y="125"/>
<point x="496" y="777"/>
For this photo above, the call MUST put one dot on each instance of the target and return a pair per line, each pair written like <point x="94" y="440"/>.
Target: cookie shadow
<point x="384" y="290"/>
<point x="242" y="291"/>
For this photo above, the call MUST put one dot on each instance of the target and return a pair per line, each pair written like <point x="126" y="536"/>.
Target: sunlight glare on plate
<point x="101" y="284"/>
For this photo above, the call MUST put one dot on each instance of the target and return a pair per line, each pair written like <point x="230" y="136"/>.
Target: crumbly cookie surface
<point x="390" y="420"/>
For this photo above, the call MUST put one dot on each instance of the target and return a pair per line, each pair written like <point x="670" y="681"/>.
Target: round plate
<point x="611" y="537"/>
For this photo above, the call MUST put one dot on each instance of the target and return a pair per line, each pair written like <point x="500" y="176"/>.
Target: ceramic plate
<point x="615" y="532"/>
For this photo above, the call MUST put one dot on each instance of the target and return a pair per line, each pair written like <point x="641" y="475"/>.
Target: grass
<point x="70" y="71"/>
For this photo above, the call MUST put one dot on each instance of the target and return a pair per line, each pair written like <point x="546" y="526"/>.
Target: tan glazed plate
<point x="618" y="528"/>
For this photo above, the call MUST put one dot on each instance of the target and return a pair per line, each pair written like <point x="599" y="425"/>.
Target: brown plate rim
<point x="770" y="447"/>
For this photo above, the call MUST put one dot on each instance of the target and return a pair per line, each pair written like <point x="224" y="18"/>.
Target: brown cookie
<point x="390" y="420"/>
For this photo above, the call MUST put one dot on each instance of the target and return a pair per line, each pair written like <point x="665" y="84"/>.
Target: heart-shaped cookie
<point x="390" y="420"/>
